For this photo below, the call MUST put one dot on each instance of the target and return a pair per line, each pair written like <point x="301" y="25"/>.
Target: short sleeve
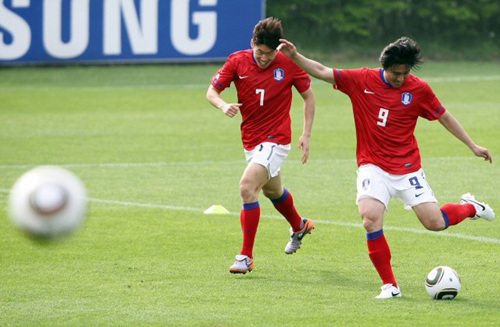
<point x="431" y="108"/>
<point x="302" y="81"/>
<point x="345" y="79"/>
<point x="223" y="78"/>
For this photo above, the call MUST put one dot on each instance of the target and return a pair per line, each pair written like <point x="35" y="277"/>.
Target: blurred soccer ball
<point x="443" y="283"/>
<point x="48" y="201"/>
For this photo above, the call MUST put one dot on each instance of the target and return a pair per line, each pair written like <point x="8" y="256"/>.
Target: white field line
<point x="132" y="164"/>
<point x="145" y="205"/>
<point x="459" y="79"/>
<point x="450" y="79"/>
<point x="106" y="88"/>
<point x="481" y="239"/>
<point x="203" y="163"/>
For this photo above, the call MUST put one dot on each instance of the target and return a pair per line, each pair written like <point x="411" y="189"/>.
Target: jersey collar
<point x="383" y="78"/>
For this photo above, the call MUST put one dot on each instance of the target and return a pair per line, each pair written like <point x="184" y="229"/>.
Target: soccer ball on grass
<point x="443" y="283"/>
<point x="47" y="202"/>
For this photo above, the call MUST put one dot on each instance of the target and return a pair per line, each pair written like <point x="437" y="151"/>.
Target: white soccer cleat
<point x="242" y="265"/>
<point x="482" y="209"/>
<point x="296" y="238"/>
<point x="389" y="291"/>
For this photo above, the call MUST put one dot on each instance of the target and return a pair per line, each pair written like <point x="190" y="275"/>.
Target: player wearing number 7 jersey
<point x="387" y="103"/>
<point x="264" y="78"/>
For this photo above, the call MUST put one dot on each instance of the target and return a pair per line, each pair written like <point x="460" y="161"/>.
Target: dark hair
<point x="268" y="32"/>
<point x="403" y="51"/>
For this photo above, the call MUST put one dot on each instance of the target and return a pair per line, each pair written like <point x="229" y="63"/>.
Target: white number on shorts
<point x="382" y="115"/>
<point x="261" y="91"/>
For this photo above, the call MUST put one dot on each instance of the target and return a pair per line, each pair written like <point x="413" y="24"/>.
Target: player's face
<point x="397" y="74"/>
<point x="263" y="55"/>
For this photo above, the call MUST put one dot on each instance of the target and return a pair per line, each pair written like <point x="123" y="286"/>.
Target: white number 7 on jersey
<point x="261" y="91"/>
<point x="383" y="115"/>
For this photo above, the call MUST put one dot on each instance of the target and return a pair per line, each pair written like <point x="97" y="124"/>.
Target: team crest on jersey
<point x="279" y="74"/>
<point x="406" y="98"/>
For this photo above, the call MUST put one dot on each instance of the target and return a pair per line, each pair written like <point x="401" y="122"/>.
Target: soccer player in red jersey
<point x="387" y="103"/>
<point x="264" y="78"/>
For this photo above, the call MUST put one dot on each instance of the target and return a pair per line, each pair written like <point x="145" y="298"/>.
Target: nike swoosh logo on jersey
<point x="417" y="195"/>
<point x="242" y="77"/>
<point x="369" y="92"/>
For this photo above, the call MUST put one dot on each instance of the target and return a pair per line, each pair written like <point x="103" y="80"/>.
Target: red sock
<point x="249" y="218"/>
<point x="380" y="254"/>
<point x="285" y="206"/>
<point x="456" y="213"/>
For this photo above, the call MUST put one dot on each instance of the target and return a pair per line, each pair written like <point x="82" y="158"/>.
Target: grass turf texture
<point x="154" y="155"/>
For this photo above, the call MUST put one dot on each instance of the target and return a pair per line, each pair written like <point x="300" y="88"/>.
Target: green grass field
<point x="154" y="155"/>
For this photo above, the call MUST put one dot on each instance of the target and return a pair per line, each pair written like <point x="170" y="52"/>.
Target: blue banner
<point x="97" y="31"/>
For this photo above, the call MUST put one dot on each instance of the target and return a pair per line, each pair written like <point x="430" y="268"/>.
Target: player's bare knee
<point x="370" y="222"/>
<point x="248" y="192"/>
<point x="271" y="194"/>
<point x="364" y="213"/>
<point x="370" y="225"/>
<point x="433" y="223"/>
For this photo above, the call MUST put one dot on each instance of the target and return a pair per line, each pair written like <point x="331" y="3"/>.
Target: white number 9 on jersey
<point x="383" y="115"/>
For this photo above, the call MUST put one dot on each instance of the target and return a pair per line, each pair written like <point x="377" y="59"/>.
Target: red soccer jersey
<point x="265" y="95"/>
<point x="386" y="117"/>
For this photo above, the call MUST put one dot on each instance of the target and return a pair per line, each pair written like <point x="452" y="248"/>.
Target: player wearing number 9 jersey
<point x="264" y="79"/>
<point x="386" y="117"/>
<point x="387" y="103"/>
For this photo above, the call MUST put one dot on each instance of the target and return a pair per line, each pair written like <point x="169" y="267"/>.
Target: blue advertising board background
<point x="124" y="30"/>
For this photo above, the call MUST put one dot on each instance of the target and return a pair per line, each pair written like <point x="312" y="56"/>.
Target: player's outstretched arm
<point x="455" y="128"/>
<point x="309" y="110"/>
<point x="229" y="109"/>
<point x="310" y="66"/>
